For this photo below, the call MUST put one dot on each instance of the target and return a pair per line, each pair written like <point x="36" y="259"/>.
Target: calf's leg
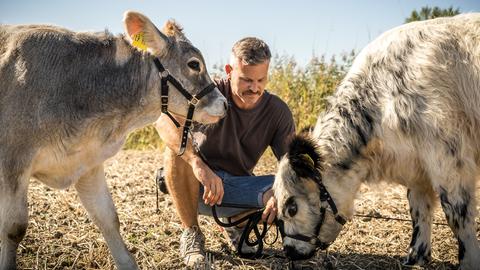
<point x="95" y="196"/>
<point x="421" y="203"/>
<point x="13" y="217"/>
<point x="459" y="206"/>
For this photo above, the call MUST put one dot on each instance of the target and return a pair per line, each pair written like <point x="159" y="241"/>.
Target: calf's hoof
<point x="418" y="257"/>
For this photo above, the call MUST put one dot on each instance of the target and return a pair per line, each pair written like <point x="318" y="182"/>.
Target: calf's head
<point x="308" y="219"/>
<point x="182" y="60"/>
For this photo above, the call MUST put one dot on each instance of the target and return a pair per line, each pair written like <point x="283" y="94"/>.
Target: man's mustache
<point x="251" y="92"/>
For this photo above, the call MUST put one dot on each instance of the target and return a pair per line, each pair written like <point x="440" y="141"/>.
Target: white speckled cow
<point x="408" y="112"/>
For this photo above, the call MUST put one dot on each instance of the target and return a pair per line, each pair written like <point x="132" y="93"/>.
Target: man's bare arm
<point x="171" y="136"/>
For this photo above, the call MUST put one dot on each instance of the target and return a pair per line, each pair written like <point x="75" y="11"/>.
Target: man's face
<point x="248" y="82"/>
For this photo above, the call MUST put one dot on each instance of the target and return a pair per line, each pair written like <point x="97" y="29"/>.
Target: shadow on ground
<point x="275" y="260"/>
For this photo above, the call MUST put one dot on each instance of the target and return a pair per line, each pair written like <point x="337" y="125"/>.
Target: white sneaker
<point x="192" y="246"/>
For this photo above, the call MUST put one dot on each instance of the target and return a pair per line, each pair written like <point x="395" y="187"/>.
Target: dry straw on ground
<point x="61" y="236"/>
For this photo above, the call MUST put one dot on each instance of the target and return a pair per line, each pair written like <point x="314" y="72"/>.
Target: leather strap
<point x="192" y="101"/>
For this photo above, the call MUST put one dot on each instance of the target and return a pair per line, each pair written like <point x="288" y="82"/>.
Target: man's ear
<point x="228" y="69"/>
<point x="143" y="34"/>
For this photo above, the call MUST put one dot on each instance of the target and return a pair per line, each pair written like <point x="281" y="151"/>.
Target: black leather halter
<point x="314" y="240"/>
<point x="192" y="100"/>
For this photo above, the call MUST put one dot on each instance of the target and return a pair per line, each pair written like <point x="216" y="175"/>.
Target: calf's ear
<point x="143" y="34"/>
<point x="304" y="157"/>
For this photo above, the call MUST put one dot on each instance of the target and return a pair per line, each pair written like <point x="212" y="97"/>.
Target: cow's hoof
<point x="416" y="260"/>
<point x="418" y="256"/>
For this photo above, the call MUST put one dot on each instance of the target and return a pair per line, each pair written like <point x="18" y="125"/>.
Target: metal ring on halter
<point x="164" y="74"/>
<point x="194" y="101"/>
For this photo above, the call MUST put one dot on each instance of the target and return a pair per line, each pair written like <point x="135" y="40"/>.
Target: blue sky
<point x="298" y="28"/>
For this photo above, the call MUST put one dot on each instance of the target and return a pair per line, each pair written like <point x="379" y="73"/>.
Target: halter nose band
<point x="314" y="240"/>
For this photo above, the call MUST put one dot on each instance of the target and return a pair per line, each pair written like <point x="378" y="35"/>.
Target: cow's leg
<point x="459" y="206"/>
<point x="95" y="196"/>
<point x="421" y="204"/>
<point x="13" y="217"/>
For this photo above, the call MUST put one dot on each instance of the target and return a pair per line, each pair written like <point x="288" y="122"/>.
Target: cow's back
<point x="425" y="76"/>
<point x="52" y="80"/>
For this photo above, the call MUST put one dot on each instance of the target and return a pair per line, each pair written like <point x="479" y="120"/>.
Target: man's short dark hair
<point x="251" y="51"/>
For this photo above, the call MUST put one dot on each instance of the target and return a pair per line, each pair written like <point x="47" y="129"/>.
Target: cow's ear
<point x="143" y="34"/>
<point x="304" y="157"/>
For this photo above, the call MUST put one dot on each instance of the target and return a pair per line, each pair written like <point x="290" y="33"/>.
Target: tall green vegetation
<point x="143" y="139"/>
<point x="303" y="88"/>
<point x="427" y="13"/>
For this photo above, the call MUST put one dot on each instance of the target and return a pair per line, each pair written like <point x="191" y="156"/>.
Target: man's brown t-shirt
<point x="236" y="142"/>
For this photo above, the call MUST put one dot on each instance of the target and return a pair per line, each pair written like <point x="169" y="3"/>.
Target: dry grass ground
<point x="61" y="236"/>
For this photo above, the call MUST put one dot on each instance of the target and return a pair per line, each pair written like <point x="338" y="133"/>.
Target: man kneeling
<point x="229" y="151"/>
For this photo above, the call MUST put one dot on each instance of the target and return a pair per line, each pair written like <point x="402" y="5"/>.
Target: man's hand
<point x="212" y="184"/>
<point x="270" y="211"/>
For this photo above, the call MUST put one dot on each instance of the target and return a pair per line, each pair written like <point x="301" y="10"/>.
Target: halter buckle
<point x="194" y="101"/>
<point x="164" y="99"/>
<point x="164" y="74"/>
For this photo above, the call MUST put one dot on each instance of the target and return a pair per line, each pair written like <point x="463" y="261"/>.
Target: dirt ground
<point x="61" y="236"/>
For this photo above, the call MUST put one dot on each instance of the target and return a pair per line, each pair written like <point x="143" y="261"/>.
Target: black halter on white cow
<point x="407" y="112"/>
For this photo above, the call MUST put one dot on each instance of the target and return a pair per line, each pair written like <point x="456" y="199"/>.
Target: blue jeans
<point x="238" y="190"/>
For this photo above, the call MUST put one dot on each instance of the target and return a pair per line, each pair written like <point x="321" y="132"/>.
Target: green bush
<point x="143" y="139"/>
<point x="303" y="88"/>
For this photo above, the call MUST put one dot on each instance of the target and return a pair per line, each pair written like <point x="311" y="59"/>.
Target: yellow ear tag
<point x="139" y="41"/>
<point x="308" y="159"/>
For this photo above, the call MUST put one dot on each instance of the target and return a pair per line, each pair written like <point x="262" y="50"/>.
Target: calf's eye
<point x="194" y="64"/>
<point x="291" y="207"/>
